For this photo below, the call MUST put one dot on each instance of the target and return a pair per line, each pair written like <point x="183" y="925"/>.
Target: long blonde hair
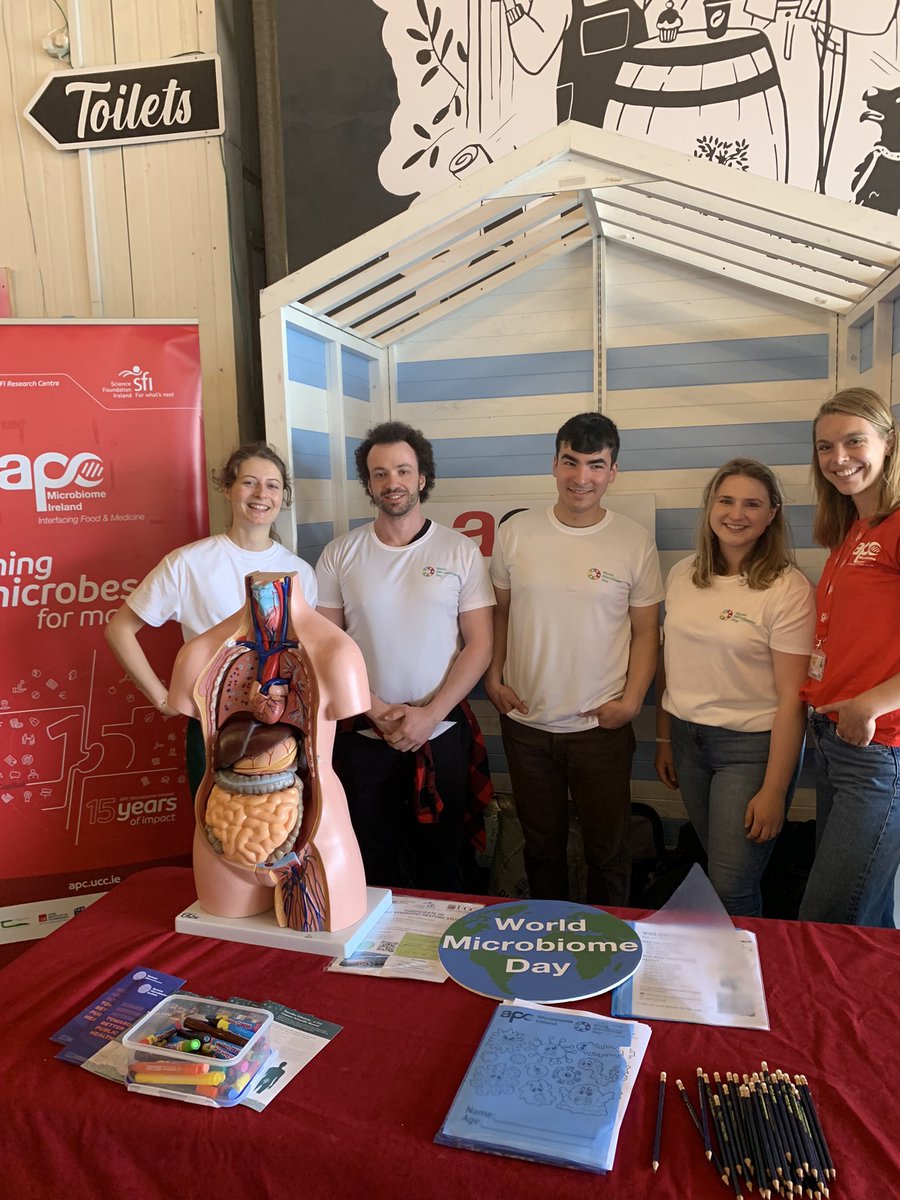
<point x="772" y="553"/>
<point x="835" y="513"/>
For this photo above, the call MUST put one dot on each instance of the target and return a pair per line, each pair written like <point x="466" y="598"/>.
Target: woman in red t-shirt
<point x="854" y="683"/>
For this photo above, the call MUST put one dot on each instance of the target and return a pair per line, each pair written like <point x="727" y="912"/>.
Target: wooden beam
<point x="439" y="291"/>
<point x="744" y="215"/>
<point x="717" y="266"/>
<point x="459" y="254"/>
<point x="479" y="290"/>
<point x="732" y="233"/>
<point x="777" y="271"/>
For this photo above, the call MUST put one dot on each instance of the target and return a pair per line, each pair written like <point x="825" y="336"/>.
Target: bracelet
<point x="664" y="741"/>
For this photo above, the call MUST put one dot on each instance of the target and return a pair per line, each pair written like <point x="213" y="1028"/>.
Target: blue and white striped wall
<point x="696" y="370"/>
<point x="332" y="392"/>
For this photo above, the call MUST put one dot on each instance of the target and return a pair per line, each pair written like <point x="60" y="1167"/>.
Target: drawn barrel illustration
<point x="720" y="100"/>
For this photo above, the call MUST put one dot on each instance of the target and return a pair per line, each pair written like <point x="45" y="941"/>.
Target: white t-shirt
<point x="402" y="604"/>
<point x="719" y="642"/>
<point x="203" y="583"/>
<point x="569" y="633"/>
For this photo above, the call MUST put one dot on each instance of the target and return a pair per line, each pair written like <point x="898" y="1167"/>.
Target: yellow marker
<point x="209" y="1079"/>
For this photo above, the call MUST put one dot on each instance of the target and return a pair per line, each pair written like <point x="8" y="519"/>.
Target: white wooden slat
<point x="429" y="214"/>
<point x="443" y="289"/>
<point x="687" y="239"/>
<point x="768" y="195"/>
<point x="412" y="250"/>
<point x="461" y="252"/>
<point x="811" y="233"/>
<point x="731" y="234"/>
<point x="888" y="289"/>
<point x="422" y="320"/>
<point x="716" y="265"/>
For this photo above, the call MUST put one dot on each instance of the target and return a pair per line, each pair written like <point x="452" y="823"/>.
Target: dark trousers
<point x="594" y="765"/>
<point x="397" y="849"/>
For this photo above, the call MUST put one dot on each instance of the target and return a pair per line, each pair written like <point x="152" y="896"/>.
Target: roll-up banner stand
<point x="102" y="473"/>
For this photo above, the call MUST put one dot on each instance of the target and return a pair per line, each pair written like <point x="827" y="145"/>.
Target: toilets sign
<point x="144" y="102"/>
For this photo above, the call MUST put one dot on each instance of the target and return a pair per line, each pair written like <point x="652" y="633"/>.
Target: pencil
<point x="729" y="1154"/>
<point x="816" y="1125"/>
<point x="660" y="1105"/>
<point x="704" y="1120"/>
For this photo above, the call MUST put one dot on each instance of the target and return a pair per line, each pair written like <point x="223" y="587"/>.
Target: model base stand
<point x="263" y="930"/>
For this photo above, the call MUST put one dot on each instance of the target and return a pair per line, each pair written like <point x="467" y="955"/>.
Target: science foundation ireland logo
<point x="549" y="951"/>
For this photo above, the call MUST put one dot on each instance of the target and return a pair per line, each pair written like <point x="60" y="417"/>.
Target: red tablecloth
<point x="359" y="1120"/>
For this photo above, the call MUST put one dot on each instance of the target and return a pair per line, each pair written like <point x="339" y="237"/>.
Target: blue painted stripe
<point x="355" y="371"/>
<point x="866" y="347"/>
<point x="315" y="533"/>
<point x="704" y="446"/>
<point x="685" y="436"/>
<point x="736" y="360"/>
<point x="306" y="357"/>
<point x="310" y="453"/>
<point x="555" y="373"/>
<point x="311" y="554"/>
<point x="676" y="528"/>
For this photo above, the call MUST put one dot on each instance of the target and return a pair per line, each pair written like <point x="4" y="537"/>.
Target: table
<point x="359" y="1120"/>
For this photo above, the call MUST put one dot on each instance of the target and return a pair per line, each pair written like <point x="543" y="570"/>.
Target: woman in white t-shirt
<point x="201" y="584"/>
<point x="737" y="638"/>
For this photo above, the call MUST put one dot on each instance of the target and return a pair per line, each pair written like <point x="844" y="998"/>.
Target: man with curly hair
<point x="416" y="598"/>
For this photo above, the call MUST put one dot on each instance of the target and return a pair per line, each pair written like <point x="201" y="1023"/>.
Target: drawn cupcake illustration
<point x="669" y="22"/>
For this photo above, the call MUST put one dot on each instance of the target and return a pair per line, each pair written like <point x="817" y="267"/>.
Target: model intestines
<point x="261" y="804"/>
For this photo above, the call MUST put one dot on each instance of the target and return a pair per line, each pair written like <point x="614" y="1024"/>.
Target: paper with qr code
<point x="404" y="943"/>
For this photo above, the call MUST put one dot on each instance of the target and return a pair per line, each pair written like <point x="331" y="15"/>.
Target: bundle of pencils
<point x="761" y="1130"/>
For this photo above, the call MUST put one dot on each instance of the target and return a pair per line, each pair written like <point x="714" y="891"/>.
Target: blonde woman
<point x="201" y="584"/>
<point x="737" y="636"/>
<point x="854" y="676"/>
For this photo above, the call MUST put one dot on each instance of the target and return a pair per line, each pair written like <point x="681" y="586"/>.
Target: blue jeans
<point x="857" y="831"/>
<point x="719" y="772"/>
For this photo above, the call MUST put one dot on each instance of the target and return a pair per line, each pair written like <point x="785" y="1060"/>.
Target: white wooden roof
<point x="574" y="183"/>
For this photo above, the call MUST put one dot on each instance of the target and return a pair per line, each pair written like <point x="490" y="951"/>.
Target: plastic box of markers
<point x="196" y="1050"/>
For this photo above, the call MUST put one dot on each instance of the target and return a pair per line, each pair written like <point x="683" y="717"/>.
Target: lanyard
<point x="855" y="535"/>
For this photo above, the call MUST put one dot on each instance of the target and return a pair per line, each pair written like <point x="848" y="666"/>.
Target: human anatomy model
<point x="268" y="685"/>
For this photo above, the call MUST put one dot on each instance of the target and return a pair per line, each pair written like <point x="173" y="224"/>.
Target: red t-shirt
<point x="858" y="623"/>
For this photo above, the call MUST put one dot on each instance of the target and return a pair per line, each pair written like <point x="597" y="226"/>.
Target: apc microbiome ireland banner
<point x="101" y="474"/>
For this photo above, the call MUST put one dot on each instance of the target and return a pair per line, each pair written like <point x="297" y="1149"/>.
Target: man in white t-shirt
<point x="576" y="640"/>
<point x="417" y="600"/>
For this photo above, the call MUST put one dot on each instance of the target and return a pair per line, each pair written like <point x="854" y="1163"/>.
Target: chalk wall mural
<point x="802" y="91"/>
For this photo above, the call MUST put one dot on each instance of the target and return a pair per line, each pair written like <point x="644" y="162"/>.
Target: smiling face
<point x="394" y="478"/>
<point x="850" y="452"/>
<point x="581" y="483"/>
<point x="256" y="495"/>
<point x="740" y="512"/>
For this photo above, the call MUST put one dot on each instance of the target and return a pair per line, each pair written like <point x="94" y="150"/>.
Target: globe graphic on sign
<point x="548" y="951"/>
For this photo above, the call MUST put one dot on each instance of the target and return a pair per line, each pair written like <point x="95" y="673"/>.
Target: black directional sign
<point x="143" y="102"/>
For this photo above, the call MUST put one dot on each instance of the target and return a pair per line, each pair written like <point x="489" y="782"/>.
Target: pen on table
<point x="704" y="1120"/>
<point x="659" y="1119"/>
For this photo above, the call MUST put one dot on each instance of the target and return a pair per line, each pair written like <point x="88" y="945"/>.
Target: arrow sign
<point x="144" y="102"/>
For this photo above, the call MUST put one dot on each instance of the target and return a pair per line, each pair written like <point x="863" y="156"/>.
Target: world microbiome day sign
<point x="548" y="951"/>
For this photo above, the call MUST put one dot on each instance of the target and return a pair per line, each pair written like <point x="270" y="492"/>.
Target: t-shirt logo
<point x="728" y="614"/>
<point x="428" y="572"/>
<point x="594" y="573"/>
<point x="866" y="552"/>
